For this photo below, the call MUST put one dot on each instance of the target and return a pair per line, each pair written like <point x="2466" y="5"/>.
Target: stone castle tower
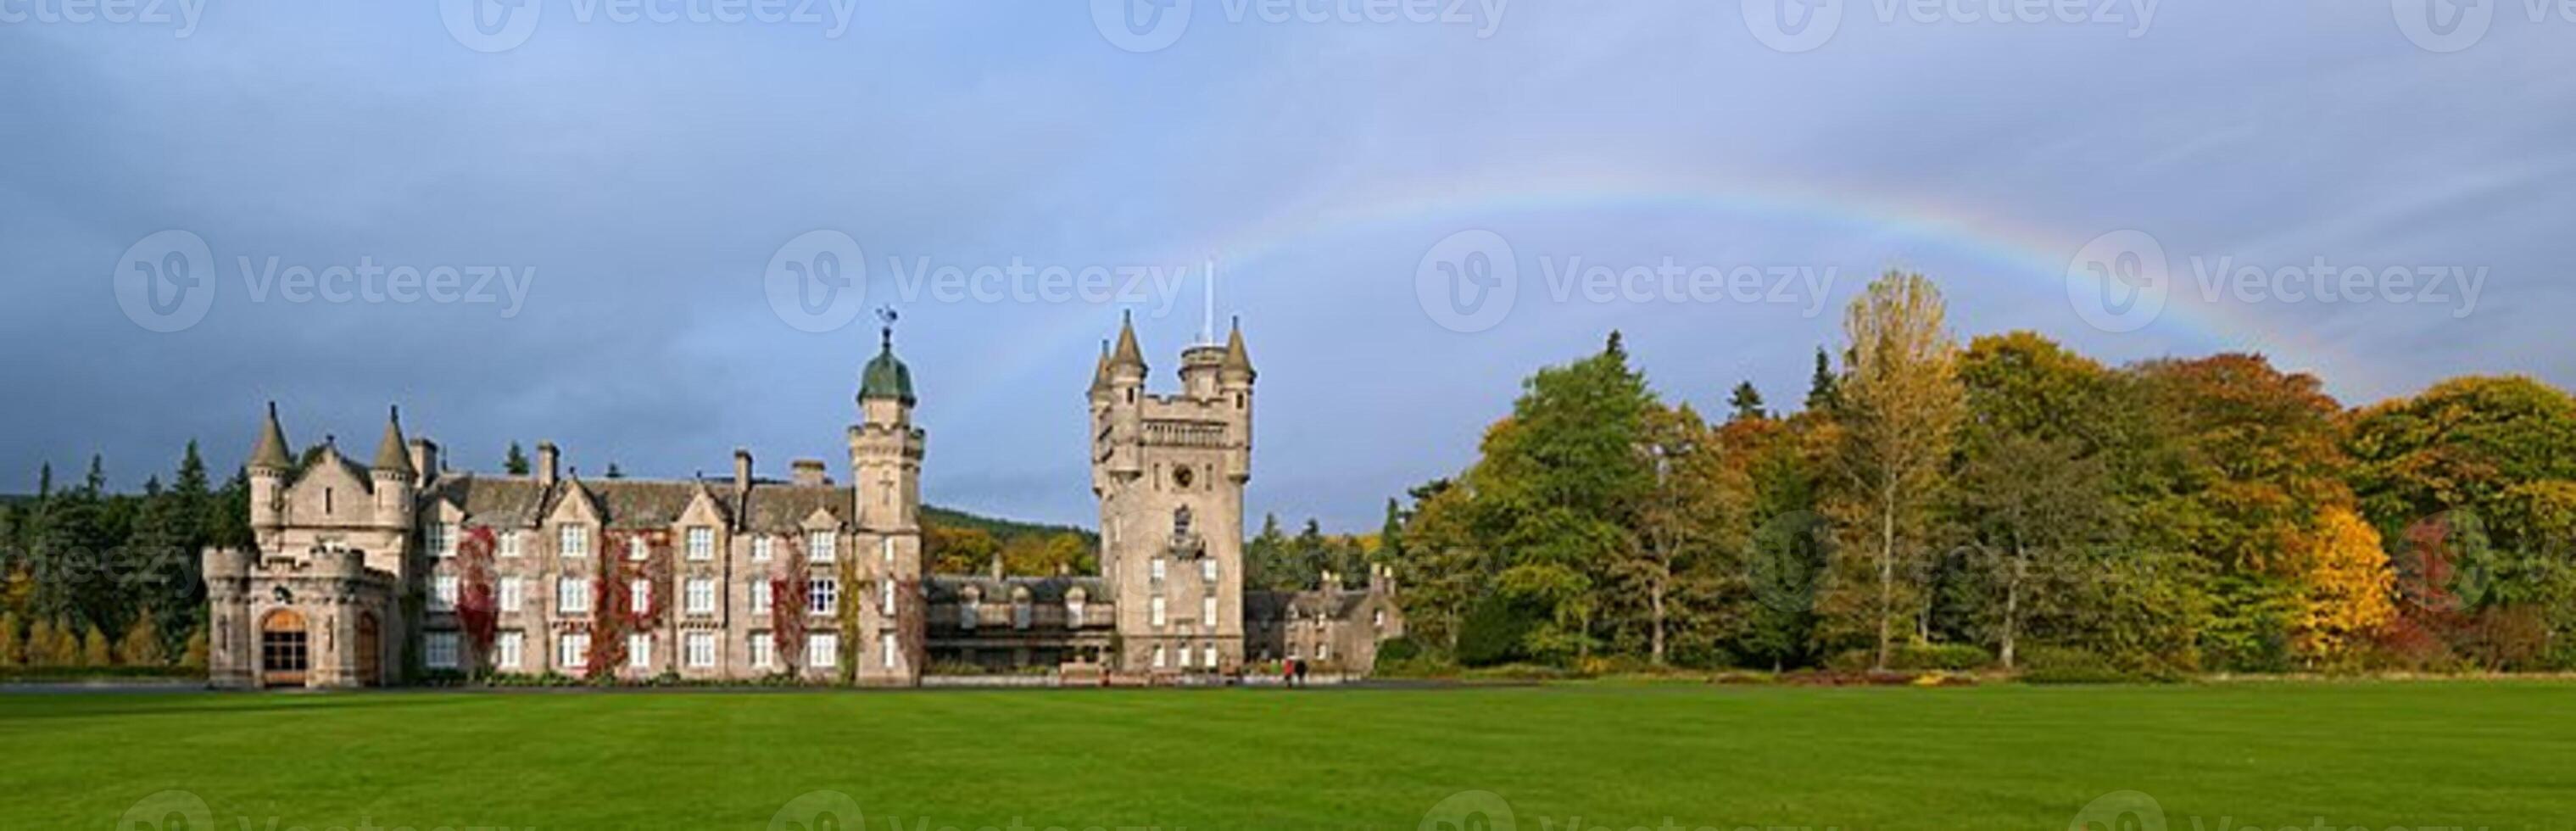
<point x="1169" y="471"/>
<point x="885" y="468"/>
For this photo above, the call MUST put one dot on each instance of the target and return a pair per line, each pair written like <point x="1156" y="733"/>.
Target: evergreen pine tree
<point x="516" y="463"/>
<point x="1747" y="402"/>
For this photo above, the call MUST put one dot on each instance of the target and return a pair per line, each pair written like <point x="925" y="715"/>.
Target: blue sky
<point x="640" y="179"/>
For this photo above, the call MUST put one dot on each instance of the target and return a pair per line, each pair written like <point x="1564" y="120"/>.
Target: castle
<point x="401" y="569"/>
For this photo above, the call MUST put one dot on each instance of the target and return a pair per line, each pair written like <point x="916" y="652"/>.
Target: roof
<point x="1237" y="359"/>
<point x="270" y="451"/>
<point x="518" y="501"/>
<point x="1337" y="604"/>
<point x="1128" y="353"/>
<point x="948" y="588"/>
<point x="390" y="453"/>
<point x="886" y="376"/>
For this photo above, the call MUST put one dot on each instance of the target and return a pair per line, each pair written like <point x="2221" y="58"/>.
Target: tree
<point x="950" y="550"/>
<point x="1689" y="526"/>
<point x="1824" y="389"/>
<point x="1746" y="403"/>
<point x="13" y="645"/>
<point x="2349" y="588"/>
<point x="141" y="646"/>
<point x="1787" y="548"/>
<point x="194" y="657"/>
<point x="516" y="463"/>
<point x="1900" y="407"/>
<point x="94" y="651"/>
<point x="2032" y="506"/>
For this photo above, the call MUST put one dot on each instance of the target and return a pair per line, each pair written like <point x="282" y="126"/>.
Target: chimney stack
<point x="809" y="473"/>
<point x="424" y="458"/>
<point x="549" y="461"/>
<point x="741" y="471"/>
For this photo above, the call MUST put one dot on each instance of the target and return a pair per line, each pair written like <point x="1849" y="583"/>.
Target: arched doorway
<point x="285" y="649"/>
<point x="371" y="661"/>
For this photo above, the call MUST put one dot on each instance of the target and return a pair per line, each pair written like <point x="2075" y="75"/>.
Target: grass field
<point x="1573" y="756"/>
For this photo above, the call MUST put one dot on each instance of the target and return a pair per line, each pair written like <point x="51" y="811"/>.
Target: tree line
<point x="2001" y="502"/>
<point x="95" y="579"/>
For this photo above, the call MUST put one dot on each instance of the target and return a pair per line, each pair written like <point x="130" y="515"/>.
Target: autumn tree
<point x="2348" y="590"/>
<point x="1899" y="404"/>
<point x="1689" y="529"/>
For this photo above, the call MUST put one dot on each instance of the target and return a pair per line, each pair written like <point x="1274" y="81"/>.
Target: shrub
<point x="2060" y="665"/>
<point x="1950" y="657"/>
<point x="1495" y="632"/>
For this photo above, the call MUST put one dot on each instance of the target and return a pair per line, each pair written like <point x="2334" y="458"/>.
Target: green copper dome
<point x="886" y="377"/>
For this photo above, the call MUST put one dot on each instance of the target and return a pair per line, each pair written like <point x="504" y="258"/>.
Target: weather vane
<point x="886" y="316"/>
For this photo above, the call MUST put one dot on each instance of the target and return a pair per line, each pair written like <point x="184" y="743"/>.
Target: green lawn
<point x="1574" y="756"/>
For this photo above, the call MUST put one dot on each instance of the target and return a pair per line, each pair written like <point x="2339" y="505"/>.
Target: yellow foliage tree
<point x="141" y="646"/>
<point x="94" y="651"/>
<point x="2349" y="589"/>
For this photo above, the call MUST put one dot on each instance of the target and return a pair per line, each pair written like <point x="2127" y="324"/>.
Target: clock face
<point x="1181" y="476"/>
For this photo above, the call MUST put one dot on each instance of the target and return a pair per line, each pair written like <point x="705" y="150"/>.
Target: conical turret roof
<point x="270" y="451"/>
<point x="1237" y="359"/>
<point x="1128" y="353"/>
<point x="391" y="456"/>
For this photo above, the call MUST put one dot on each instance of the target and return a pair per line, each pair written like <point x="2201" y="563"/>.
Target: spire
<point x="1236" y="358"/>
<point x="1128" y="354"/>
<point x="1100" y="373"/>
<point x="391" y="457"/>
<point x="270" y="451"/>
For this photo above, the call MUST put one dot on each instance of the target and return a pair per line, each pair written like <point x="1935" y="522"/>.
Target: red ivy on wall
<point x="788" y="587"/>
<point x="478" y="609"/>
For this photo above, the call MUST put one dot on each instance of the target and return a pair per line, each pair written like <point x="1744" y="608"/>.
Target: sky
<point x="652" y="232"/>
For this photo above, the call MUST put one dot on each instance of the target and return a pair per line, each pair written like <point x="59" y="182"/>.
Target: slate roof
<point x="518" y="501"/>
<point x="1340" y="604"/>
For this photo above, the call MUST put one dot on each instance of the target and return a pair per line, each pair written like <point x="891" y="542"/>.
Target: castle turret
<point x="1234" y="387"/>
<point x="267" y="469"/>
<point x="393" y="476"/>
<point x="1124" y="422"/>
<point x="885" y="449"/>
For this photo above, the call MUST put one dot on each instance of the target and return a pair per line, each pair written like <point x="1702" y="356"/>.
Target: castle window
<point x="1207" y="653"/>
<point x="885" y="595"/>
<point x="1207" y="570"/>
<point x="760" y="547"/>
<point x="573" y="541"/>
<point x="511" y="594"/>
<point x="823" y="650"/>
<point x="1378" y="618"/>
<point x="1324" y="650"/>
<point x="886" y="546"/>
<point x="639" y="651"/>
<point x="886" y="650"/>
<point x="760" y="598"/>
<point x="1207" y="611"/>
<point x="639" y="596"/>
<point x="572" y="595"/>
<point x="1157" y="608"/>
<point x="442" y="650"/>
<point x="970" y="608"/>
<point x="1023" y="613"/>
<point x="1238" y="401"/>
<point x="638" y="547"/>
<point x="509" y="543"/>
<point x="823" y="597"/>
<point x="326" y="501"/>
<point x="701" y="598"/>
<point x="506" y="649"/>
<point x="1158" y="569"/>
<point x="818" y="546"/>
<point x="1073" y="613"/>
<point x="1181" y="521"/>
<point x="441" y="539"/>
<point x="442" y="593"/>
<point x="1159" y="661"/>
<point x="764" y="650"/>
<point x="572" y="650"/>
<point x="702" y="543"/>
<point x="701" y="649"/>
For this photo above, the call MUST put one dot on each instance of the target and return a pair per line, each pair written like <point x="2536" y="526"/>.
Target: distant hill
<point x="1001" y="529"/>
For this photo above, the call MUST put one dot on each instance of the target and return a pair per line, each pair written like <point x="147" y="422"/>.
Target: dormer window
<point x="1181" y="521"/>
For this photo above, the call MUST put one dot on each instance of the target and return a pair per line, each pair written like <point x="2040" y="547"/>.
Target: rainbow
<point x="2016" y="252"/>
